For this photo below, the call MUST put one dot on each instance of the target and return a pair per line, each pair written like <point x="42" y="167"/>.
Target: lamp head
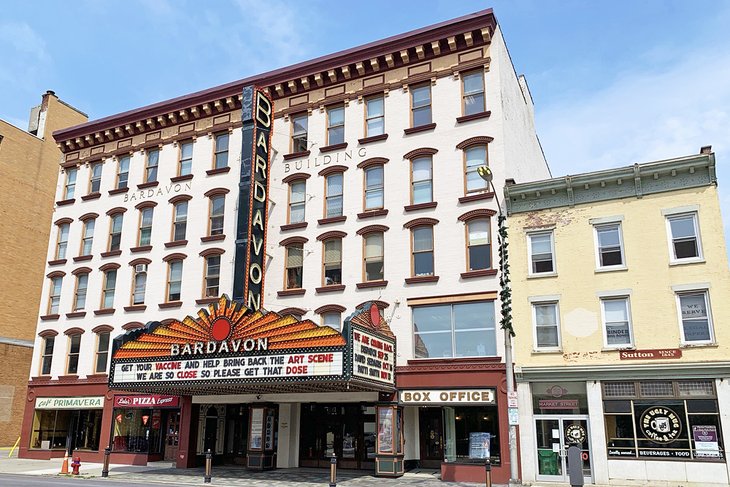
<point x="485" y="173"/>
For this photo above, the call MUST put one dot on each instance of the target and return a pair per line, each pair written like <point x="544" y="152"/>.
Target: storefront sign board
<point x="654" y="354"/>
<point x="146" y="401"/>
<point x="447" y="396"/>
<point x="706" y="444"/>
<point x="79" y="402"/>
<point x="373" y="357"/>
<point x="558" y="403"/>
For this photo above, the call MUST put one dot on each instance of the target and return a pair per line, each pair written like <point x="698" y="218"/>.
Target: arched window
<point x="63" y="227"/>
<point x="174" y="280"/>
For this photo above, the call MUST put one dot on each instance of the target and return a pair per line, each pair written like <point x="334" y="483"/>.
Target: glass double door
<point x="554" y="434"/>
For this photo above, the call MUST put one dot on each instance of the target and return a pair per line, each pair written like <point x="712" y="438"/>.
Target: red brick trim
<point x="178" y="198"/>
<point x="81" y="270"/>
<point x="331" y="234"/>
<point x="373" y="161"/>
<point x="74" y="331"/>
<point x="61" y="221"/>
<point x="176" y="243"/>
<point x="76" y="314"/>
<point x="472" y="141"/>
<point x="421" y="279"/>
<point x="332" y="169"/>
<point x="372" y="229"/>
<point x="293" y="240"/>
<point x="369" y="284"/>
<point x="420" y="222"/>
<point x="213" y="238"/>
<point x="109" y="266"/>
<point x="53" y="274"/>
<point x="140" y="260"/>
<point x="476" y="197"/>
<point x="296" y="155"/>
<point x="212" y="251"/>
<point x="372" y="213"/>
<point x="88" y="216"/>
<point x="135" y="307"/>
<point x="421" y="151"/>
<point x="293" y="311"/>
<point x="333" y="147"/>
<point x="179" y="179"/>
<point x="102" y="329"/>
<point x="479" y="273"/>
<point x="220" y="170"/>
<point x="143" y="248"/>
<point x="473" y="116"/>
<point x="145" y="204"/>
<point x="175" y="256"/>
<point x="132" y="325"/>
<point x="333" y="219"/>
<point x="329" y="308"/>
<point x="420" y="128"/>
<point x="478" y="213"/>
<point x="291" y="292"/>
<point x="115" y="210"/>
<point x="47" y="333"/>
<point x="420" y="206"/>
<point x="374" y="138"/>
<point x="149" y="184"/>
<point x="104" y="311"/>
<point x="170" y="305"/>
<point x="333" y="288"/>
<point x="112" y="253"/>
<point x="295" y="177"/>
<point x="216" y="192"/>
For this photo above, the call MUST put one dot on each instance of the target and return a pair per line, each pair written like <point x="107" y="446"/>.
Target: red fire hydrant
<point x="75" y="465"/>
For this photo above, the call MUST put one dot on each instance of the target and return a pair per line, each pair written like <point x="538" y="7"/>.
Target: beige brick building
<point x="28" y="177"/>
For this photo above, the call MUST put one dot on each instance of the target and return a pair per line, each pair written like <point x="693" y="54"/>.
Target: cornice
<point x="676" y="370"/>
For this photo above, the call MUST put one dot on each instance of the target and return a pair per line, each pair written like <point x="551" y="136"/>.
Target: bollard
<point x="333" y="470"/>
<point x="488" y="472"/>
<point x="208" y="466"/>
<point x="105" y="468"/>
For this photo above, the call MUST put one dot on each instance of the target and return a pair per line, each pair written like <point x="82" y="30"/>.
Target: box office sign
<point x="80" y="402"/>
<point x="146" y="401"/>
<point x="447" y="396"/>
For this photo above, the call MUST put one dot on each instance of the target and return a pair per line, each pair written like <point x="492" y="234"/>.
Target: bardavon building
<point x="293" y="265"/>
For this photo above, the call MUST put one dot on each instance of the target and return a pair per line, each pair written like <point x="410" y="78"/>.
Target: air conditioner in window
<point x="140" y="268"/>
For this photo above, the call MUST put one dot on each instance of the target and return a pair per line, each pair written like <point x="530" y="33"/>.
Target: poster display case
<point x="262" y="437"/>
<point x="389" y="456"/>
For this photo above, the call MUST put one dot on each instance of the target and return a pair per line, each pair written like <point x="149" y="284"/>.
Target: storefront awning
<point x="229" y="349"/>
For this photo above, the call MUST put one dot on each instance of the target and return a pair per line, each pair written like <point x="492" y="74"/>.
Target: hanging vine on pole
<point x="505" y="292"/>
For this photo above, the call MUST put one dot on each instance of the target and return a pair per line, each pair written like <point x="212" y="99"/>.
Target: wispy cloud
<point x="25" y="54"/>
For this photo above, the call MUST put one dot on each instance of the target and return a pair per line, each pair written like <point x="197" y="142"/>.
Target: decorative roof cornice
<point x="674" y="370"/>
<point x="623" y="182"/>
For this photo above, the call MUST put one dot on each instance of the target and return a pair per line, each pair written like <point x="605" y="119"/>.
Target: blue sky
<point x="613" y="82"/>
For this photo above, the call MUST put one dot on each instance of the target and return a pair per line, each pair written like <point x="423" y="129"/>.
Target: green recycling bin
<point x="547" y="462"/>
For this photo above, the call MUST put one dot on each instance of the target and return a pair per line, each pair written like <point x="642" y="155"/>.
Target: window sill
<point x="540" y="276"/>
<point x="420" y="206"/>
<point x="296" y="155"/>
<point x="213" y="238"/>
<point x="170" y="305"/>
<point x="83" y="258"/>
<point x="68" y="378"/>
<point x="135" y="307"/>
<point x="333" y="288"/>
<point x="373" y="138"/>
<point x="420" y="128"/>
<point x="178" y="179"/>
<point x="371" y="284"/>
<point x="142" y="248"/>
<point x="473" y="116"/>
<point x="333" y="147"/>
<point x="293" y="226"/>
<point x="611" y="269"/>
<point x="627" y="348"/>
<point x="291" y="292"/>
<point x="149" y="184"/>
<point x="66" y="202"/>
<point x="479" y="273"/>
<point x="112" y="192"/>
<point x="547" y="351"/>
<point x="176" y="243"/>
<point x="76" y="314"/>
<point x="91" y="196"/>
<point x="694" y="260"/>
<point x="220" y="170"/>
<point x="104" y="311"/>
<point x="111" y="253"/>
<point x="332" y="219"/>
<point x="685" y="346"/>
<point x="50" y="317"/>
<point x="421" y="279"/>
<point x="206" y="301"/>
<point x="487" y="195"/>
<point x="372" y="213"/>
<point x="57" y="262"/>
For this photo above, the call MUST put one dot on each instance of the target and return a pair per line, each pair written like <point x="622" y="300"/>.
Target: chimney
<point x="706" y="149"/>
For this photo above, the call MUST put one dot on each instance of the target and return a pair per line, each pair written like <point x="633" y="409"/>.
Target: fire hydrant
<point x="75" y="465"/>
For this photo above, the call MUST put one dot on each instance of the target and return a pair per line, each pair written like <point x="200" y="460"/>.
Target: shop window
<point x="473" y="92"/>
<point x="212" y="276"/>
<point x="609" y="246"/>
<point x="62" y="241"/>
<point x="51" y="427"/>
<point x="221" y="150"/>
<point x="145" y="226"/>
<point x="616" y="322"/>
<point x="479" y="248"/>
<point x="422" y="251"/>
<point x="374" y="188"/>
<point x="123" y="172"/>
<point x="217" y="214"/>
<point x="185" y="164"/>
<point x="139" y="284"/>
<point x="684" y="237"/>
<point x="374" y="259"/>
<point x="115" y="232"/>
<point x="87" y="237"/>
<point x="333" y="320"/>
<point x="297" y="200"/>
<point x="333" y="197"/>
<point x="70" y="189"/>
<point x="696" y="318"/>
<point x="153" y="159"/>
<point x="180" y="221"/>
<point x="54" y="297"/>
<point x="421" y="180"/>
<point x="110" y="285"/>
<point x="95" y="177"/>
<point x="455" y="330"/>
<point x="174" y="280"/>
<point x="421" y="105"/>
<point x="294" y="265"/>
<point x="137" y="430"/>
<point x="299" y="133"/>
<point x="541" y="248"/>
<point x="374" y="116"/>
<point x="74" y="348"/>
<point x="47" y="355"/>
<point x="335" y="125"/>
<point x="102" y="352"/>
<point x="332" y="261"/>
<point x="547" y="326"/>
<point x="475" y="157"/>
<point x="471" y="434"/>
<point x="82" y="284"/>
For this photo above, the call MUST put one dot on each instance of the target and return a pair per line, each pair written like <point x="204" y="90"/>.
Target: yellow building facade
<point x="29" y="163"/>
<point x="620" y="282"/>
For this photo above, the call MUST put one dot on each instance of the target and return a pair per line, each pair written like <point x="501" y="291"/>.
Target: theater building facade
<point x="330" y="289"/>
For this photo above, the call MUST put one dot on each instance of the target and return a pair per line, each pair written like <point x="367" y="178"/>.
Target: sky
<point x="614" y="82"/>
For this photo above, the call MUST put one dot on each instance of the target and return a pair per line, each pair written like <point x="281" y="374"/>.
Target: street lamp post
<point x="505" y="295"/>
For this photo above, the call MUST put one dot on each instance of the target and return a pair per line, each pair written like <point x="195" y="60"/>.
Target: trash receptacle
<point x="548" y="462"/>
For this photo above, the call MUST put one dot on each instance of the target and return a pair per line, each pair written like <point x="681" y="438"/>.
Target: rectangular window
<point x="54" y="297"/>
<point x="140" y="287"/>
<point x="221" y="150"/>
<point x="333" y="320"/>
<point x="374" y="257"/>
<point x="145" y="226"/>
<point x="87" y="238"/>
<point x="610" y="245"/>
<point x="694" y="311"/>
<point x="297" y="201"/>
<point x="62" y="243"/>
<point x="422" y="251"/>
<point x="115" y="235"/>
<point x="541" y="253"/>
<point x="455" y="330"/>
<point x="123" y="172"/>
<point x="110" y="284"/>
<point x="479" y="248"/>
<point x="186" y="158"/>
<point x="684" y="234"/>
<point x="335" y="125"/>
<point x="474" y="157"/>
<point x="299" y="133"/>
<point x="180" y="221"/>
<point x="332" y="261"/>
<point x="473" y="86"/>
<point x="47" y="356"/>
<point x="374" y="116"/>
<point x="70" y="189"/>
<point x="333" y="188"/>
<point x="153" y="159"/>
<point x="212" y="276"/>
<point x="294" y="266"/>
<point x="547" y="326"/>
<point x="421" y="105"/>
<point x="616" y="322"/>
<point x="74" y="347"/>
<point x="102" y="352"/>
<point x="82" y="284"/>
<point x="374" y="188"/>
<point x="421" y="180"/>
<point x="95" y="179"/>
<point x="174" y="281"/>
<point x="217" y="214"/>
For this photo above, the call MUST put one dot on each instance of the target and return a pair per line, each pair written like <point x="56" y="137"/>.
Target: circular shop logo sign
<point x="661" y="425"/>
<point x="575" y="433"/>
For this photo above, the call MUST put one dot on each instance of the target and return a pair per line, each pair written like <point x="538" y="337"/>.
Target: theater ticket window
<point x="663" y="420"/>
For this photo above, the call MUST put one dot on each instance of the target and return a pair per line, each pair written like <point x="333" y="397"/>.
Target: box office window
<point x="663" y="420"/>
<point x="137" y="430"/>
<point x="471" y="434"/>
<point x="455" y="330"/>
<point x="51" y="429"/>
